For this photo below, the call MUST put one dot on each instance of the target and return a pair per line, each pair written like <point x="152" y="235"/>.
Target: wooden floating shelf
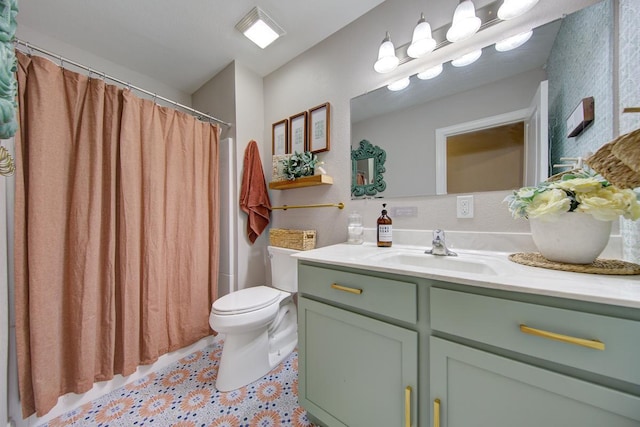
<point x="305" y="181"/>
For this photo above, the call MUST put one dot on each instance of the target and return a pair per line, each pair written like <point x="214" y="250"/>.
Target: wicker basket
<point x="301" y="240"/>
<point x="619" y="160"/>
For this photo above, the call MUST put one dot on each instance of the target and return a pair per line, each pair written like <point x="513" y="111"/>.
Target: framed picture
<point x="280" y="137"/>
<point x="319" y="128"/>
<point x="298" y="133"/>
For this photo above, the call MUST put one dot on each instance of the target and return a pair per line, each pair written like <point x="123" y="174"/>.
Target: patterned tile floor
<point x="183" y="395"/>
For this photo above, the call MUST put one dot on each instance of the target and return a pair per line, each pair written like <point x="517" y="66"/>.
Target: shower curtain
<point x="116" y="246"/>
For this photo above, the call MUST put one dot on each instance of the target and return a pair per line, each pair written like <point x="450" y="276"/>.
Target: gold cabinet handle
<point x="407" y="406"/>
<point x="346" y="289"/>
<point x="594" y="344"/>
<point x="436" y="413"/>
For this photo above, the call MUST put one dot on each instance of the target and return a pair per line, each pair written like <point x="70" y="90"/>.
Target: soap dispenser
<point x="384" y="229"/>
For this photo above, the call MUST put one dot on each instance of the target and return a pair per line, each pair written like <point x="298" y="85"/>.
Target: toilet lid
<point x="246" y="300"/>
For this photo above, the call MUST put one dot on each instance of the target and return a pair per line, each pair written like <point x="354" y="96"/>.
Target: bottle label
<point x="384" y="232"/>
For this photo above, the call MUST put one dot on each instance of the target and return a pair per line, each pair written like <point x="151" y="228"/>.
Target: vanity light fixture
<point x="467" y="59"/>
<point x="399" y="84"/>
<point x="465" y="22"/>
<point x="387" y="59"/>
<point x="514" y="8"/>
<point x="430" y="73"/>
<point x="513" y="41"/>
<point x="258" y="27"/>
<point x="422" y="41"/>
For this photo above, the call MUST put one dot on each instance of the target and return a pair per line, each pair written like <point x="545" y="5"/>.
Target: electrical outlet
<point x="465" y="206"/>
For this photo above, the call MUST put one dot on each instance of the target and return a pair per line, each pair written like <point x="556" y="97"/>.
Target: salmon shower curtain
<point x="116" y="246"/>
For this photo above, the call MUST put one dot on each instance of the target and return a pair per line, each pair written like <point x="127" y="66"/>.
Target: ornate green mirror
<point x="367" y="167"/>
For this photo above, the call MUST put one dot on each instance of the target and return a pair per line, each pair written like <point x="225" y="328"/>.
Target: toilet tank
<point x="284" y="268"/>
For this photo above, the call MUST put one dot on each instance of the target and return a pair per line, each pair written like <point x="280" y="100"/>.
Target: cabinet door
<point x="476" y="388"/>
<point x="356" y="371"/>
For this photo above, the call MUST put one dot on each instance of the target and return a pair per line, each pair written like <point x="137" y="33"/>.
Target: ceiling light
<point x="465" y="22"/>
<point x="422" y="42"/>
<point x="399" y="84"/>
<point x="258" y="27"/>
<point x="387" y="59"/>
<point x="513" y="8"/>
<point x="467" y="59"/>
<point x="430" y="73"/>
<point x="513" y="42"/>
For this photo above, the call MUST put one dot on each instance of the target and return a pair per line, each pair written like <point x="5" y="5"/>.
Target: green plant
<point x="583" y="191"/>
<point x="299" y="165"/>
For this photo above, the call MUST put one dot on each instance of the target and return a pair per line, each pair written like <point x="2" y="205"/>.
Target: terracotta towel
<point x="254" y="198"/>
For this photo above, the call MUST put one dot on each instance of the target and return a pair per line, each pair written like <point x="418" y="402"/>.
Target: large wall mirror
<point x="487" y="126"/>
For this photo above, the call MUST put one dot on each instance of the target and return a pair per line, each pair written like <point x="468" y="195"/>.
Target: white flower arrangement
<point x="582" y="191"/>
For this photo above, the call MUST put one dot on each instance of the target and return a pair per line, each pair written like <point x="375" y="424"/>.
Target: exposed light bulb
<point x="430" y="73"/>
<point x="513" y="42"/>
<point x="513" y="8"/>
<point x="467" y="59"/>
<point x="399" y="84"/>
<point x="465" y="22"/>
<point x="387" y="59"/>
<point x="422" y="41"/>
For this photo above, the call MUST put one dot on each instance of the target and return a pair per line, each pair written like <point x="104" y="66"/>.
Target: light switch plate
<point x="465" y="206"/>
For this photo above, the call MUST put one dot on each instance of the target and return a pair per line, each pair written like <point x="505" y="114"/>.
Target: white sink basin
<point x="463" y="263"/>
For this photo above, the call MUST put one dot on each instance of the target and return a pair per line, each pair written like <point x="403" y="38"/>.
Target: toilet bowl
<point x="259" y="324"/>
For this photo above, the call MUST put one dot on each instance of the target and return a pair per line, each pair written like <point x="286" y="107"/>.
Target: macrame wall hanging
<point x="8" y="83"/>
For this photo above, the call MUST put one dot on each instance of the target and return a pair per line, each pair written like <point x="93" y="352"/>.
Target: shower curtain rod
<point x="199" y="114"/>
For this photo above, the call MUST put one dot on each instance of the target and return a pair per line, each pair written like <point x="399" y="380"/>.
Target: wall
<point x="629" y="81"/>
<point x="340" y="68"/>
<point x="410" y="164"/>
<point x="581" y="65"/>
<point x="236" y="96"/>
<point x="100" y="64"/>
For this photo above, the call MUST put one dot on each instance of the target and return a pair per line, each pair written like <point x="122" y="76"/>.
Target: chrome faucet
<point x="438" y="246"/>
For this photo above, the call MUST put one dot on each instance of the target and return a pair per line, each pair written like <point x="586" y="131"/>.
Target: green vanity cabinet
<point x="374" y="345"/>
<point x="356" y="368"/>
<point x="355" y="371"/>
<point x="470" y="387"/>
<point x="473" y="384"/>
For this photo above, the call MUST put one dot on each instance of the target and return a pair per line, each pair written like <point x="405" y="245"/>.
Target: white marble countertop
<point x="510" y="276"/>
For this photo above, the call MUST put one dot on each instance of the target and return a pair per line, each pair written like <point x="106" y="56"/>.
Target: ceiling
<point x="184" y="44"/>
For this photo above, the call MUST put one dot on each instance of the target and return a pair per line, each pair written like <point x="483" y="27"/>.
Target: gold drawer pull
<point x="346" y="289"/>
<point x="436" y="413"/>
<point x="407" y="406"/>
<point x="594" y="344"/>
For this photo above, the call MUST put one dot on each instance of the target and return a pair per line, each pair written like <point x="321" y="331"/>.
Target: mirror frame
<point x="368" y="151"/>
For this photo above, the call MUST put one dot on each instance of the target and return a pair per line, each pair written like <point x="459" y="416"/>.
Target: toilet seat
<point x="246" y="300"/>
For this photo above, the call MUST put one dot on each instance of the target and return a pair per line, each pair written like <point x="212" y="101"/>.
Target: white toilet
<point x="259" y="323"/>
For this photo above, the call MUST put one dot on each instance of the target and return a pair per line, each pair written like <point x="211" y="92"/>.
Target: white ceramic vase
<point x="573" y="237"/>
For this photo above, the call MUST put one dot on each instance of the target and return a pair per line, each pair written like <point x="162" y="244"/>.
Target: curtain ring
<point x="29" y="50"/>
<point x="104" y="76"/>
<point x="155" y="97"/>
<point x="128" y="86"/>
<point x="90" y="72"/>
<point x="61" y="61"/>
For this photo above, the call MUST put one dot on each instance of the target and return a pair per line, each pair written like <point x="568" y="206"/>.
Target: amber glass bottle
<point x="384" y="229"/>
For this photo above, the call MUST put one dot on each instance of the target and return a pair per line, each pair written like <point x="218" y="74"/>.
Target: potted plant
<point x="299" y="164"/>
<point x="571" y="217"/>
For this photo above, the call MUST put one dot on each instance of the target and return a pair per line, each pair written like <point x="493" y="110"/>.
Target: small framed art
<point x="298" y="133"/>
<point x="319" y="128"/>
<point x="280" y="137"/>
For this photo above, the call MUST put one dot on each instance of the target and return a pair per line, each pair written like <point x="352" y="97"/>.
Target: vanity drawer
<point x="391" y="298"/>
<point x="544" y="332"/>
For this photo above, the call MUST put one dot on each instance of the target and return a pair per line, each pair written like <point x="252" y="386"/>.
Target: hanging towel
<point x="254" y="198"/>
